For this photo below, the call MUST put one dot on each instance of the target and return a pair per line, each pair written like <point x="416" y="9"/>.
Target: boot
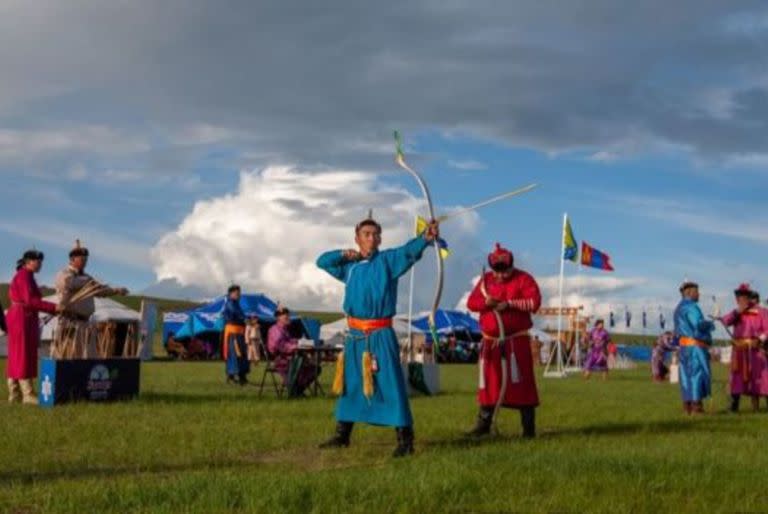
<point x="341" y="439"/>
<point x="735" y="402"/>
<point x="687" y="407"/>
<point x="28" y="391"/>
<point x="14" y="391"/>
<point x="484" y="422"/>
<point x="755" y="403"/>
<point x="404" y="442"/>
<point x="528" y="420"/>
<point x="697" y="408"/>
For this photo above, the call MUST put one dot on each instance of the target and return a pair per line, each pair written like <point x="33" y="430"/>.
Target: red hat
<point x="501" y="259"/>
<point x="744" y="290"/>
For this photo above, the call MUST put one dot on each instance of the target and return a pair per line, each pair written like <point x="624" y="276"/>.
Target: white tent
<point x="106" y="310"/>
<point x="333" y="333"/>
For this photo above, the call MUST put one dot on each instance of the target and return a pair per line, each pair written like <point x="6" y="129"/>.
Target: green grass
<point x="193" y="444"/>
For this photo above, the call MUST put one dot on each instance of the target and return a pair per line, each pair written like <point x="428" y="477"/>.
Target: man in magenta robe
<point x="749" y="365"/>
<point x="24" y="328"/>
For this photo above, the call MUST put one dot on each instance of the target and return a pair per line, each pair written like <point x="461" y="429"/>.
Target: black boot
<point x="341" y="438"/>
<point x="735" y="402"/>
<point x="484" y="421"/>
<point x="528" y="420"/>
<point x="404" y="442"/>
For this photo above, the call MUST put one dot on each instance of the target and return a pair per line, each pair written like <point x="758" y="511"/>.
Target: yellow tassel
<point x="367" y="375"/>
<point x="338" y="377"/>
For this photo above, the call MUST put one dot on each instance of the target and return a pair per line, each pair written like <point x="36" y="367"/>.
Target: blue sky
<point x="162" y="136"/>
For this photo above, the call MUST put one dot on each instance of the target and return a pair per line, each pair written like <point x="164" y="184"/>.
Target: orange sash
<point x="368" y="325"/>
<point x="230" y="330"/>
<point x="689" y="341"/>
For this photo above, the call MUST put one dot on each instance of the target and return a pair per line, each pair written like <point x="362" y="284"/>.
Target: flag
<point x="421" y="227"/>
<point x="570" y="248"/>
<point x="662" y="320"/>
<point x="595" y="258"/>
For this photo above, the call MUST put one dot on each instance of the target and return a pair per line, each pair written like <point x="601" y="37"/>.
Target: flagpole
<point x="558" y="343"/>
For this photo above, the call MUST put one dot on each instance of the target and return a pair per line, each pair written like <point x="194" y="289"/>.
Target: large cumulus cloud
<point x="267" y="235"/>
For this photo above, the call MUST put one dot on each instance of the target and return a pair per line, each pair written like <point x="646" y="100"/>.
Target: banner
<point x="570" y="249"/>
<point x="595" y="258"/>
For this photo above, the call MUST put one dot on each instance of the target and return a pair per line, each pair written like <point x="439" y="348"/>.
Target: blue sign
<point x="93" y="380"/>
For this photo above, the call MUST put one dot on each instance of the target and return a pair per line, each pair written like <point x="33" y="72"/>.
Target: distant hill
<point x="4" y="294"/>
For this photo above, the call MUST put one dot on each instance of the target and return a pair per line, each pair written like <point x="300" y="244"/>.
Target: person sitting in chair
<point x="297" y="373"/>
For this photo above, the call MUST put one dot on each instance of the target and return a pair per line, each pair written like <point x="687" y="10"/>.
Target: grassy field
<point x="193" y="444"/>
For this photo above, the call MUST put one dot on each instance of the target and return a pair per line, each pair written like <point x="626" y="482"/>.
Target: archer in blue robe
<point x="237" y="364"/>
<point x="695" y="375"/>
<point x="371" y="293"/>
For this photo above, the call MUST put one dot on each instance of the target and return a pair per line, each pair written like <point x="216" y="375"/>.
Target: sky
<point x="190" y="145"/>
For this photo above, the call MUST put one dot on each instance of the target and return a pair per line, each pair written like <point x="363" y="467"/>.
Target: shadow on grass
<point x="25" y="478"/>
<point x="708" y="424"/>
<point x="249" y="395"/>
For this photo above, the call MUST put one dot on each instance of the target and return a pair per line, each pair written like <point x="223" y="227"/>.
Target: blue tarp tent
<point x="449" y="321"/>
<point x="207" y="318"/>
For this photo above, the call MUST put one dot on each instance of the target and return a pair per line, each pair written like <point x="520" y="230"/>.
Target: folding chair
<point x="271" y="370"/>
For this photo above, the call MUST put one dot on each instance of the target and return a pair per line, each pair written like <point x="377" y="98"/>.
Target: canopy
<point x="449" y="321"/>
<point x="106" y="309"/>
<point x="334" y="332"/>
<point x="208" y="318"/>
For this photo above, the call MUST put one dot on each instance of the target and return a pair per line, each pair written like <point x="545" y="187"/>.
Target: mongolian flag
<point x="570" y="248"/>
<point x="595" y="258"/>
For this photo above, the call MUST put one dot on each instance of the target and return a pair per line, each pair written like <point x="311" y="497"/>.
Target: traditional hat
<point x="368" y="221"/>
<point x="30" y="255"/>
<point x="78" y="250"/>
<point x="745" y="289"/>
<point x="501" y="259"/>
<point x="687" y="284"/>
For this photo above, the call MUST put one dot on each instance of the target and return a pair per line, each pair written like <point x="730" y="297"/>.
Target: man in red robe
<point x="511" y="296"/>
<point x="24" y="328"/>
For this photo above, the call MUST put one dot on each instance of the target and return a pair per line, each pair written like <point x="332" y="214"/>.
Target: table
<point x="316" y="353"/>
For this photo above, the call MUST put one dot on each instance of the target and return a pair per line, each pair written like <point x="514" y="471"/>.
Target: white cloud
<point x="18" y="145"/>
<point x="268" y="234"/>
<point x="604" y="156"/>
<point x="467" y="165"/>
<point x="714" y="218"/>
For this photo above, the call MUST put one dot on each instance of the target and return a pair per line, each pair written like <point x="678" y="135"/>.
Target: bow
<point x="400" y="160"/>
<point x="502" y="342"/>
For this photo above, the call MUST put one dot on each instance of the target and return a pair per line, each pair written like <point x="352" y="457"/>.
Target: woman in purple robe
<point x="597" y="358"/>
